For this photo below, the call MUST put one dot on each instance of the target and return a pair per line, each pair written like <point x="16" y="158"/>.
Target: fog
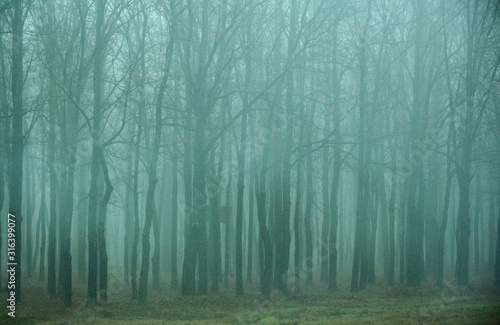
<point x="265" y="155"/>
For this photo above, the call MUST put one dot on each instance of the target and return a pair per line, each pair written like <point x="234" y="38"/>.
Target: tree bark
<point x="497" y="258"/>
<point x="359" y="269"/>
<point x="265" y="251"/>
<point x="136" y="229"/>
<point x="17" y="140"/>
<point x="239" y="207"/>
<point x="175" y="209"/>
<point x="152" y="170"/>
<point x="101" y="231"/>
<point x="308" y="206"/>
<point x="98" y="85"/>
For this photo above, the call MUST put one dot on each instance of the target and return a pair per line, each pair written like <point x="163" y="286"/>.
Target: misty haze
<point x="250" y="162"/>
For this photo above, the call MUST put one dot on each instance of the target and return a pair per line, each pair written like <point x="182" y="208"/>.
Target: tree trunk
<point x="333" y="199"/>
<point x="16" y="174"/>
<point x="216" y="242"/>
<point x="372" y="233"/>
<point x="101" y="231"/>
<point x="175" y="208"/>
<point x="99" y="58"/>
<point x="416" y="182"/>
<point x="444" y="223"/>
<point x="129" y="215"/>
<point x="199" y="206"/>
<point x="152" y="174"/>
<point x="298" y="211"/>
<point x="463" y="225"/>
<point x="359" y="268"/>
<point x="239" y="206"/>
<point x="251" y="222"/>
<point x="67" y="184"/>
<point x="325" y="184"/>
<point x="431" y="217"/>
<point x="53" y="182"/>
<point x="4" y="133"/>
<point x="477" y="215"/>
<point x="82" y="221"/>
<point x="136" y="229"/>
<point x="308" y="206"/>
<point x="228" y="217"/>
<point x="155" y="260"/>
<point x="188" y="285"/>
<point x="195" y="221"/>
<point x="265" y="244"/>
<point x="497" y="259"/>
<point x="30" y="209"/>
<point x="42" y="216"/>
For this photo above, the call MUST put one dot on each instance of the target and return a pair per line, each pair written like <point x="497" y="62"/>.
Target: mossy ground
<point x="379" y="304"/>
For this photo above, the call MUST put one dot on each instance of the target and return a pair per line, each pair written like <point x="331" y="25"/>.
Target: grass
<point x="378" y="304"/>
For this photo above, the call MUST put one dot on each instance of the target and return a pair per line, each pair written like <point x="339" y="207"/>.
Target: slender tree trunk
<point x="101" y="231"/>
<point x="155" y="260"/>
<point x="38" y="230"/>
<point x="308" y="206"/>
<point x="391" y="210"/>
<point x="67" y="184"/>
<point x="444" y="223"/>
<point x="372" y="232"/>
<point x="402" y="236"/>
<point x="175" y="208"/>
<point x="359" y="269"/>
<point x="463" y="224"/>
<point x="497" y="258"/>
<point x="431" y="216"/>
<point x="67" y="215"/>
<point x="16" y="174"/>
<point x="241" y="167"/>
<point x="449" y="175"/>
<point x="188" y="285"/>
<point x="384" y="231"/>
<point x="200" y="204"/>
<point x="416" y="183"/>
<point x="251" y="222"/>
<point x="334" y="211"/>
<point x="99" y="58"/>
<point x="216" y="242"/>
<point x="129" y="216"/>
<point x="215" y="224"/>
<point x="266" y="250"/>
<point x="30" y="209"/>
<point x="53" y="182"/>
<point x="325" y="184"/>
<point x="284" y="252"/>
<point x="152" y="176"/>
<point x="491" y="226"/>
<point x="136" y="229"/>
<point x="150" y="214"/>
<point x="228" y="229"/>
<point x="239" y="206"/>
<point x="82" y="229"/>
<point x="42" y="215"/>
<point x="298" y="211"/>
<point x="333" y="199"/>
<point x="477" y="215"/>
<point x="4" y="132"/>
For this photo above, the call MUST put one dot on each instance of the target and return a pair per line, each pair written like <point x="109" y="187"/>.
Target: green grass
<point x="375" y="305"/>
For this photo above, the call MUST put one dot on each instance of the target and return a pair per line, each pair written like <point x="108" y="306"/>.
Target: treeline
<point x="195" y="141"/>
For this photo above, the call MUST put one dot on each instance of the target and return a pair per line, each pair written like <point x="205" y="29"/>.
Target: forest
<point x="249" y="161"/>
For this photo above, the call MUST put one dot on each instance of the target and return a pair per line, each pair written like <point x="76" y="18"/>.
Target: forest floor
<point x="378" y="304"/>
